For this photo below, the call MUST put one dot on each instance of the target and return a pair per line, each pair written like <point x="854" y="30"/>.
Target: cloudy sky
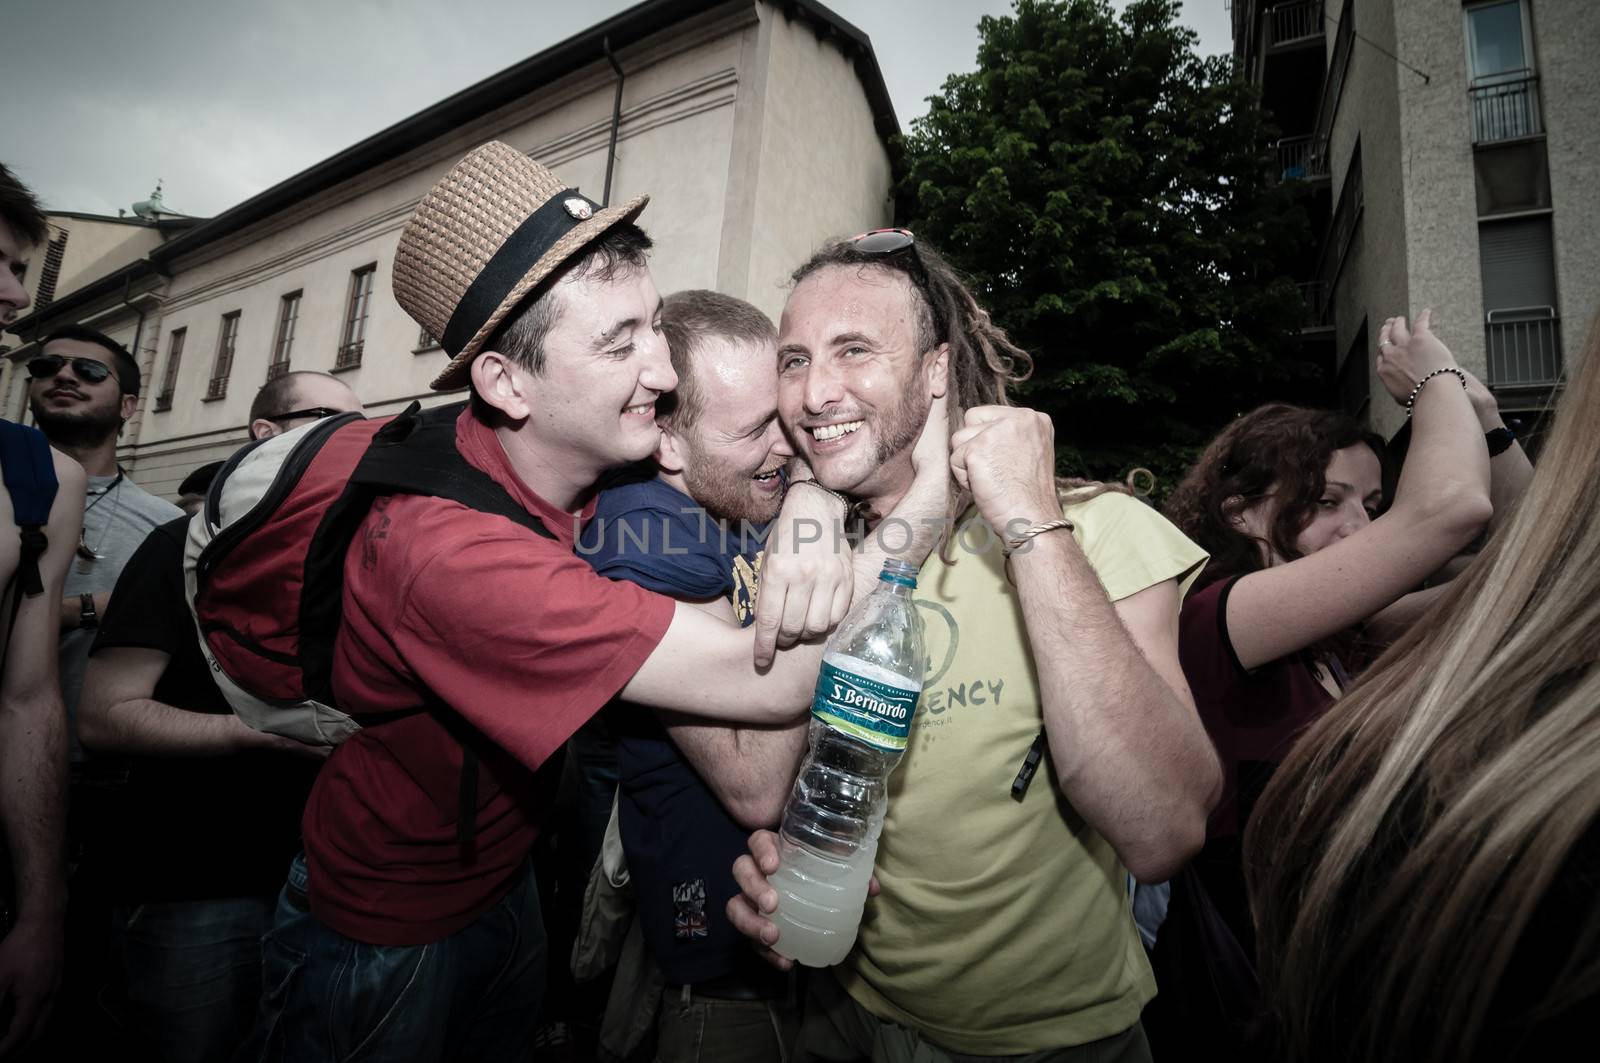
<point x="221" y="99"/>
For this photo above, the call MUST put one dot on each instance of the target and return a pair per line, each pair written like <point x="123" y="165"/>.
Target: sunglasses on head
<point x="891" y="241"/>
<point x="883" y="241"/>
<point x="45" y="366"/>
<point x="314" y="412"/>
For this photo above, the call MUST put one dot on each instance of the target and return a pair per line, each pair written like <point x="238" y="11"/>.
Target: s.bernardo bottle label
<point x="874" y="712"/>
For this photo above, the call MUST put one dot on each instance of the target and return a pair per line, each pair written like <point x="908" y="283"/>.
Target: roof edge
<point x="626" y="28"/>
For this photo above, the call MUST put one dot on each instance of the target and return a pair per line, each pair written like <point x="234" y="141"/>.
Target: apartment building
<point x="760" y="128"/>
<point x="1447" y="153"/>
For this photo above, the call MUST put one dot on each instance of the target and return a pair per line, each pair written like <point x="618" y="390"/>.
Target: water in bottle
<point x="861" y="716"/>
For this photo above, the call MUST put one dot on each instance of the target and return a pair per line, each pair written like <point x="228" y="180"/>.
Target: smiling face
<point x="853" y="387"/>
<point x="732" y="449"/>
<point x="605" y="363"/>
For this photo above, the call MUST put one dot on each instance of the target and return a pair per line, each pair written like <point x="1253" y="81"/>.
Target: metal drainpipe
<point x="138" y="334"/>
<point x="616" y="119"/>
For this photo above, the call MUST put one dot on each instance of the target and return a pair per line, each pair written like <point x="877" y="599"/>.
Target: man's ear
<point x="669" y="453"/>
<point x="261" y="428"/>
<point x="938" y="370"/>
<point x="130" y="406"/>
<point x="497" y="381"/>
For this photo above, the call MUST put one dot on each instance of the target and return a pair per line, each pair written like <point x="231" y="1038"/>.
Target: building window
<point x="355" y="319"/>
<point x="426" y="343"/>
<point x="169" y="380"/>
<point x="1521" y="324"/>
<point x="288" y="314"/>
<point x="1355" y="383"/>
<point x="220" y="369"/>
<point x="1504" y="88"/>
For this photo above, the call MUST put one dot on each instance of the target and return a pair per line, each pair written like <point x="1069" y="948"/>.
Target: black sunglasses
<point x="893" y="241"/>
<point x="314" y="412"/>
<point x="45" y="366"/>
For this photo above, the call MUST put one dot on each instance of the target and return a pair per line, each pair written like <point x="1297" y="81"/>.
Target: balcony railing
<point x="1524" y="345"/>
<point x="217" y="389"/>
<point x="1303" y="158"/>
<point x="1505" y="108"/>
<point x="349" y="355"/>
<point x="1294" y="22"/>
<point x="164" y="401"/>
<point x="276" y="370"/>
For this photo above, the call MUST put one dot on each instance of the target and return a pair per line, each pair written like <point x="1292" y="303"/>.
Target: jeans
<point x="699" y="1029"/>
<point x="472" y="996"/>
<point x="193" y="973"/>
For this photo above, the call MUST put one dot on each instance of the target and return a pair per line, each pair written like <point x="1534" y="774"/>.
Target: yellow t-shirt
<point x="1003" y="927"/>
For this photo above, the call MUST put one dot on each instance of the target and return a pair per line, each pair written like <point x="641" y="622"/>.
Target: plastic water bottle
<point x="861" y="717"/>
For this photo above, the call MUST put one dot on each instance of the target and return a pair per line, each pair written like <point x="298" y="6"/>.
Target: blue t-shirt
<point x="680" y="842"/>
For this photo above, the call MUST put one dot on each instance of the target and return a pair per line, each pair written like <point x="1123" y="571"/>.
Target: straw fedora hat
<point x="483" y="238"/>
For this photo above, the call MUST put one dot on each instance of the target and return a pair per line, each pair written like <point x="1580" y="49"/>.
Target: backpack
<point x="264" y="558"/>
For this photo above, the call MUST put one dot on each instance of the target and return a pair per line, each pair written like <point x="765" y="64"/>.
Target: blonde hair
<point x="1403" y="846"/>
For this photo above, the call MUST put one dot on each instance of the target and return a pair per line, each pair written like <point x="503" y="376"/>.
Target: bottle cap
<point x="897" y="571"/>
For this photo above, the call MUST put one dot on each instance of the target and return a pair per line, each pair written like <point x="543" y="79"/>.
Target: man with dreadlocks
<point x="1002" y="927"/>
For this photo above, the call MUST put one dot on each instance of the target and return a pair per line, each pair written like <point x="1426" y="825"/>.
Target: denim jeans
<point x="193" y="973"/>
<point x="699" y="1029"/>
<point x="472" y="996"/>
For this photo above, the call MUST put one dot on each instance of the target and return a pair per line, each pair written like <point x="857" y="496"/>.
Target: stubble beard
<point x="78" y="430"/>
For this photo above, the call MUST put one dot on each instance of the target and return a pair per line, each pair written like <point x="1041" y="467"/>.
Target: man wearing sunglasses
<point x="83" y="387"/>
<point x="1003" y="926"/>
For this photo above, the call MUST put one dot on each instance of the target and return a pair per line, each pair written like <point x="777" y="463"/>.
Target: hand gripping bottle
<point x="860" y="719"/>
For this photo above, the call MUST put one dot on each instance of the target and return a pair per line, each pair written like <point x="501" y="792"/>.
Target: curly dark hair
<point x="1278" y="450"/>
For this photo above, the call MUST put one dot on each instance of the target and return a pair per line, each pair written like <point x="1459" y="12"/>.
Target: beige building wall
<point x="1566" y="34"/>
<point x="1416" y="244"/>
<point x="753" y="137"/>
<point x="822" y="169"/>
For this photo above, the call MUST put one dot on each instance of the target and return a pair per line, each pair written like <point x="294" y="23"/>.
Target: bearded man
<point x="84" y="386"/>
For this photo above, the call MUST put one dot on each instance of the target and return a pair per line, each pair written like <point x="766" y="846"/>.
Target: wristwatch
<point x="87" y="617"/>
<point x="1499" y="440"/>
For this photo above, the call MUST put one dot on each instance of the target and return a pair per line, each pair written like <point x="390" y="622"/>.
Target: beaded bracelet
<point x="814" y="483"/>
<point x="1016" y="542"/>
<point x="1412" y="401"/>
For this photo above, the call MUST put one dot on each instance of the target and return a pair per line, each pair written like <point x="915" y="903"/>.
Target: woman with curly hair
<point x="1288" y="503"/>
<point x="1423" y="867"/>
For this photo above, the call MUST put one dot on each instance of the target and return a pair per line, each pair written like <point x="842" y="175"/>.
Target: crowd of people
<point x="1316" y="745"/>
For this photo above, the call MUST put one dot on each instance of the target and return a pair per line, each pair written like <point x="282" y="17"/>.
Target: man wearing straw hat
<point x="397" y="935"/>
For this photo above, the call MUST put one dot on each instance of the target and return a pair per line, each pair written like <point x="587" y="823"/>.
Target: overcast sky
<point x="221" y="99"/>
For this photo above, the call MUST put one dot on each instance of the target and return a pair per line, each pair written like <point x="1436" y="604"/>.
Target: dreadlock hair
<point x="983" y="362"/>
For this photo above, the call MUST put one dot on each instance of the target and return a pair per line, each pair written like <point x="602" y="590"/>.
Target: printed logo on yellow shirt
<point x="944" y="694"/>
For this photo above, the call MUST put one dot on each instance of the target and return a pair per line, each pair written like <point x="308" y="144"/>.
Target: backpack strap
<point x="30" y="476"/>
<point x="31" y="481"/>
<point x="415" y="454"/>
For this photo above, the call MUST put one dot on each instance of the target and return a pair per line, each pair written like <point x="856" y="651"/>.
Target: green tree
<point x="1112" y="196"/>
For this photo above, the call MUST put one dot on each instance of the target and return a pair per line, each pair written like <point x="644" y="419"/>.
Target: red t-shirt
<point x="510" y="630"/>
<point x="1253" y="717"/>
